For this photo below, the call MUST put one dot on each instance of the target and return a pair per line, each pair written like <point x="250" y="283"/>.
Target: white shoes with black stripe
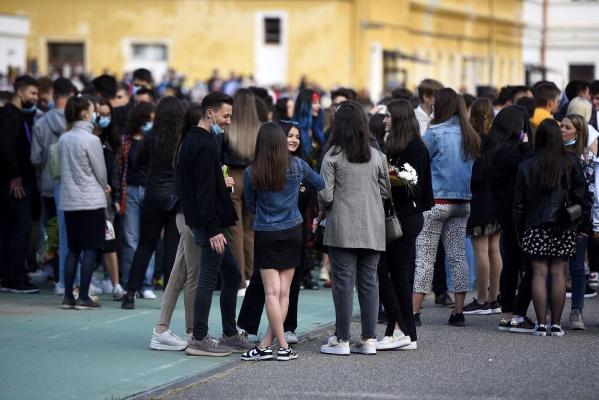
<point x="257" y="354"/>
<point x="286" y="354"/>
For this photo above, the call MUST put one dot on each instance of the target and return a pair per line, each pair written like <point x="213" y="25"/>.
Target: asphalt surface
<point x="473" y="362"/>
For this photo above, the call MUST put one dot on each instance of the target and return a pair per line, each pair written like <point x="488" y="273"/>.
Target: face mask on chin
<point x="215" y="128"/>
<point x="28" y="107"/>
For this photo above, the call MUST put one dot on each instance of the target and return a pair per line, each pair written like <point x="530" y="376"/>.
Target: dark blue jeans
<point x="15" y="230"/>
<point x="213" y="264"/>
<point x="579" y="279"/>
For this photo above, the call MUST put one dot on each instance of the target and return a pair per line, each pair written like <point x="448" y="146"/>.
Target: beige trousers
<point x="242" y="234"/>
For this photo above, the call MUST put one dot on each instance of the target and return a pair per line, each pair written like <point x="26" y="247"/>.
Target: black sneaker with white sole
<point x="476" y="308"/>
<point x="504" y="325"/>
<point x="257" y="354"/>
<point x="556" y="330"/>
<point x="525" y="326"/>
<point x="286" y="354"/>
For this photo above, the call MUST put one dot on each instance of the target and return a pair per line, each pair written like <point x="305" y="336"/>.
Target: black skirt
<point x="278" y="249"/>
<point x="85" y="229"/>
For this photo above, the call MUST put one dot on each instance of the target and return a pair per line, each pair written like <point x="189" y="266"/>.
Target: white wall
<point x="13" y="46"/>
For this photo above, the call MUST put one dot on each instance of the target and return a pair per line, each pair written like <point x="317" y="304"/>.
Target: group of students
<point x="230" y="186"/>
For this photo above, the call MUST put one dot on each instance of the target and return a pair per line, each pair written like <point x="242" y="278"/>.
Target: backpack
<point x="54" y="161"/>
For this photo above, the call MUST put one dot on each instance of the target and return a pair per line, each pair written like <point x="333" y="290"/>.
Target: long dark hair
<point x="109" y="134"/>
<point x="168" y="125"/>
<point x="556" y="164"/>
<point x="286" y="126"/>
<point x="376" y="126"/>
<point x="281" y="109"/>
<point x="349" y="133"/>
<point x="269" y="168"/>
<point x="192" y="118"/>
<point x="404" y="126"/>
<point x="505" y="131"/>
<point x="138" y="116"/>
<point x="302" y="113"/>
<point x="481" y="115"/>
<point x="449" y="104"/>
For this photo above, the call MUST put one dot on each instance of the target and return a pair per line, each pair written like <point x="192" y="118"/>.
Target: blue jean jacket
<point x="276" y="211"/>
<point x="450" y="171"/>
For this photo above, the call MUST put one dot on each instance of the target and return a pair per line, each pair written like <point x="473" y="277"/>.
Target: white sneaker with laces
<point x="367" y="346"/>
<point x="58" y="290"/>
<point x="94" y="290"/>
<point x="412" y="346"/>
<point x="148" y="294"/>
<point x="106" y="286"/>
<point x="333" y="346"/>
<point x="167" y="340"/>
<point x="118" y="292"/>
<point x="291" y="338"/>
<point x="393" y="342"/>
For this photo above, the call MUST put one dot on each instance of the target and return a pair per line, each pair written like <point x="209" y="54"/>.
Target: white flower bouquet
<point x="405" y="176"/>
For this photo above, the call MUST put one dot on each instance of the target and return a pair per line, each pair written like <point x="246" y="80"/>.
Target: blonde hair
<point x="582" y="107"/>
<point x="242" y="133"/>
<point x="582" y="133"/>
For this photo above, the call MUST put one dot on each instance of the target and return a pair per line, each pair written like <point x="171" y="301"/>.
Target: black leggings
<point x="154" y="216"/>
<point x="87" y="269"/>
<point x="395" y="273"/>
<point x="513" y="263"/>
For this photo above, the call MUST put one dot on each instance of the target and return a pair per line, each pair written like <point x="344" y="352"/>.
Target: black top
<point x="533" y="207"/>
<point x="121" y="114"/>
<point x="482" y="205"/>
<point x="135" y="173"/>
<point x="159" y="177"/>
<point x="201" y="185"/>
<point x="421" y="198"/>
<point x="502" y="177"/>
<point x="15" y="144"/>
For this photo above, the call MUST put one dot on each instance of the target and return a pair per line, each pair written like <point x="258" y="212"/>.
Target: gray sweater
<point x="352" y="201"/>
<point x="46" y="132"/>
<point x="82" y="169"/>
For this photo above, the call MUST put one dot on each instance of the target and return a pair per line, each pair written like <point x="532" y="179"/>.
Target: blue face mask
<point x="135" y="89"/>
<point x="94" y="118"/>
<point x="215" y="128"/>
<point x="570" y="142"/>
<point x="51" y="105"/>
<point x="104" y="122"/>
<point x="29" y="108"/>
<point x="147" y="127"/>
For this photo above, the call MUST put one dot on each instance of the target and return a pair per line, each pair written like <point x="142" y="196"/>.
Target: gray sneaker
<point x="206" y="347"/>
<point x="238" y="343"/>
<point x="576" y="322"/>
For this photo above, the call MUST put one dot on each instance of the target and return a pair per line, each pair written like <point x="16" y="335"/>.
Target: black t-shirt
<point x="135" y="175"/>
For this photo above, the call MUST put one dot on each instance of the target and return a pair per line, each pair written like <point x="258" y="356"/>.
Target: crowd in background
<point x="106" y="188"/>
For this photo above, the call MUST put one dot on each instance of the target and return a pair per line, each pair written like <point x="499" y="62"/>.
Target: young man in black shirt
<point x="209" y="212"/>
<point x="17" y="179"/>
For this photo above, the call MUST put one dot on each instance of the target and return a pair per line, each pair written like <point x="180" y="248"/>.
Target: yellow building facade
<point x="371" y="44"/>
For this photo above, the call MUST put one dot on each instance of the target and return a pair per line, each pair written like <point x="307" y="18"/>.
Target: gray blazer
<point x="352" y="201"/>
<point x="82" y="169"/>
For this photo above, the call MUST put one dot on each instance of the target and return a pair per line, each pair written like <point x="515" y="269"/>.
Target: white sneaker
<point x="106" y="286"/>
<point x="167" y="341"/>
<point x="58" y="290"/>
<point x="148" y="294"/>
<point x="333" y="346"/>
<point x="393" y="342"/>
<point x="367" y="346"/>
<point x="412" y="346"/>
<point x="118" y="292"/>
<point x="94" y="290"/>
<point x="291" y="338"/>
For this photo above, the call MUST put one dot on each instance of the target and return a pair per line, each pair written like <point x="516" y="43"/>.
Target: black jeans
<point x="154" y="216"/>
<point x="253" y="304"/>
<point x="394" y="277"/>
<point x="513" y="263"/>
<point x="439" y="274"/>
<point x="15" y="231"/>
<point x="213" y="264"/>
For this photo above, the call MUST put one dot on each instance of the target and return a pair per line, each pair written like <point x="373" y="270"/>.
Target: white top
<point x="593" y="135"/>
<point x="423" y="118"/>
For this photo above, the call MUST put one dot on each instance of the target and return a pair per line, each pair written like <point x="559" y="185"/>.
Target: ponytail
<point x="75" y="106"/>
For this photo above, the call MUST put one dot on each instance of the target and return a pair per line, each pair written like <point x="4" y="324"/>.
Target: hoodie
<point x="46" y="132"/>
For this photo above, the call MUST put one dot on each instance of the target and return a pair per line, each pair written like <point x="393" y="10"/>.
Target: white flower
<point x="408" y="174"/>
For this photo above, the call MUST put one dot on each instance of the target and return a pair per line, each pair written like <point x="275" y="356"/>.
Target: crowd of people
<point x="247" y="191"/>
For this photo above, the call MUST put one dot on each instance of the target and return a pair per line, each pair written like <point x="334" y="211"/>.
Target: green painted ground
<point x="50" y="353"/>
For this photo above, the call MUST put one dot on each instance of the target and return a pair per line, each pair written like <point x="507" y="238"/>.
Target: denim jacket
<point x="276" y="211"/>
<point x="451" y="173"/>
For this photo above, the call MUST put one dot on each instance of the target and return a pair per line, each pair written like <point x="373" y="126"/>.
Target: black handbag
<point x="392" y="225"/>
<point x="571" y="215"/>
